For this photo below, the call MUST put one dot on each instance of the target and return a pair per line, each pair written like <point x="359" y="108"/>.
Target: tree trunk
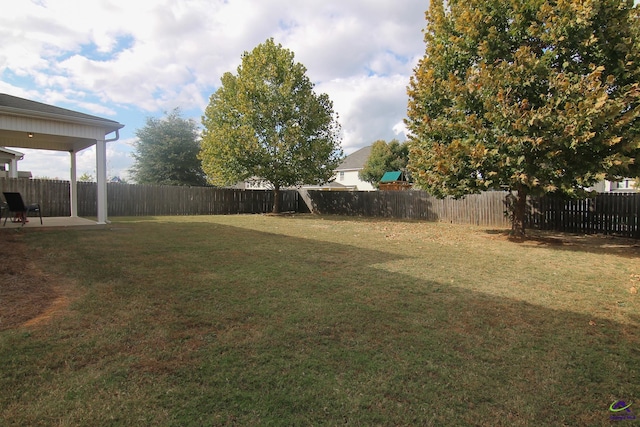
<point x="276" y="200"/>
<point x="519" y="211"/>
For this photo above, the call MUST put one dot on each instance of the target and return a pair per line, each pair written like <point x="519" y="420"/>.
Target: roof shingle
<point x="355" y="160"/>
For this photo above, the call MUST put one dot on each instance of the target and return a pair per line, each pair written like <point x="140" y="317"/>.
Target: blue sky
<point x="127" y="60"/>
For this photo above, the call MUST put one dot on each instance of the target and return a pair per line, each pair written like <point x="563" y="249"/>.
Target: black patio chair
<point x="17" y="207"/>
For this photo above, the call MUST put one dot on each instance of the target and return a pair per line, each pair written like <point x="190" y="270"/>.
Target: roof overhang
<point x="30" y="124"/>
<point x="7" y="155"/>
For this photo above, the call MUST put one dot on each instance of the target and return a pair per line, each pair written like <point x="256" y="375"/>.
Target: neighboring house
<point x="9" y="164"/>
<point x="347" y="172"/>
<point x="345" y="179"/>
<point x="253" y="183"/>
<point x="627" y="185"/>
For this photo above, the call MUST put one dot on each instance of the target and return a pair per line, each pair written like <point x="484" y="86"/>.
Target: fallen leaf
<point x="592" y="323"/>
<point x="633" y="290"/>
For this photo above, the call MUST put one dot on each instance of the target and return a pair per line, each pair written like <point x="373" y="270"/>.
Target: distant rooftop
<point x="355" y="160"/>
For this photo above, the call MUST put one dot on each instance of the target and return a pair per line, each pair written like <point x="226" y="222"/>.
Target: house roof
<point x="331" y="185"/>
<point x="21" y="106"/>
<point x="391" y="176"/>
<point x="6" y="154"/>
<point x="30" y="124"/>
<point x="355" y="160"/>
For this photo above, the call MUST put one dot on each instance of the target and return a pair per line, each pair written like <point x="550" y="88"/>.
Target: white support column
<point x="13" y="169"/>
<point x="74" y="185"/>
<point x="101" y="171"/>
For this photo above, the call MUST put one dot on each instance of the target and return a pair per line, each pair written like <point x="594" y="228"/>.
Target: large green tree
<point x="533" y="96"/>
<point x="166" y="152"/>
<point x="384" y="157"/>
<point x="266" y="123"/>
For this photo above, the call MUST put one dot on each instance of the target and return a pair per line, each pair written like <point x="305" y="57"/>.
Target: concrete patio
<point x="52" y="222"/>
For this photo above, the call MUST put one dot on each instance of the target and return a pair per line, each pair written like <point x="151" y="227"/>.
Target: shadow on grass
<point x="591" y="243"/>
<point x="221" y="325"/>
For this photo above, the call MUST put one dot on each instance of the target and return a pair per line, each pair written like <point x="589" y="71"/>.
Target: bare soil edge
<point x="29" y="295"/>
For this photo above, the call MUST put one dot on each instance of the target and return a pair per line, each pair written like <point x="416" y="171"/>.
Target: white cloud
<point x="124" y="59"/>
<point x="45" y="164"/>
<point x="369" y="107"/>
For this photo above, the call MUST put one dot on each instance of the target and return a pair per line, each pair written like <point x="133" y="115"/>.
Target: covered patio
<point x="29" y="124"/>
<point x="33" y="223"/>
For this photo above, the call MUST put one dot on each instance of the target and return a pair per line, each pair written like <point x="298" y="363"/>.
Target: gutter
<point x="117" y="137"/>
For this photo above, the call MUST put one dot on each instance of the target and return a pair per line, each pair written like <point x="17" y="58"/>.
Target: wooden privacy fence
<point x="479" y="209"/>
<point x="606" y="213"/>
<point x="142" y="200"/>
<point x="611" y="213"/>
<point x="53" y="196"/>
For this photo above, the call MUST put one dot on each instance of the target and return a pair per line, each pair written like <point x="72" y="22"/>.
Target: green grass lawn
<point x="303" y="320"/>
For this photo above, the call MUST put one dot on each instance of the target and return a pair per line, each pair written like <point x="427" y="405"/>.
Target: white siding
<point x="50" y="127"/>
<point x="47" y="134"/>
<point x="627" y="185"/>
<point x="349" y="178"/>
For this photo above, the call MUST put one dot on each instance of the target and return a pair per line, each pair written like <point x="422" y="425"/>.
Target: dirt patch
<point x="28" y="295"/>
<point x="551" y="238"/>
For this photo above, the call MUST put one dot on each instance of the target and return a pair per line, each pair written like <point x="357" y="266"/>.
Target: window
<point x="341" y="176"/>
<point x="621" y="185"/>
<point x="626" y="184"/>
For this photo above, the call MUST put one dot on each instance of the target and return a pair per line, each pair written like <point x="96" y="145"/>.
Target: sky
<point x="128" y="60"/>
